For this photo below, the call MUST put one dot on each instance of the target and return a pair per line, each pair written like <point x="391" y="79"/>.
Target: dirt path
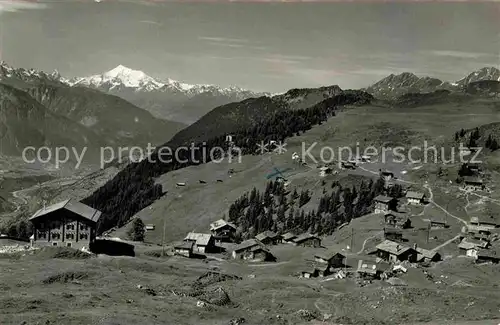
<point x="440" y="207"/>
<point x="366" y="240"/>
<point x="445" y="243"/>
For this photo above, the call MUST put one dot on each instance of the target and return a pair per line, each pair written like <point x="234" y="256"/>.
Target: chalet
<point x="321" y="270"/>
<point x="373" y="270"/>
<point x="397" y="220"/>
<point x="488" y="255"/>
<point x="393" y="234"/>
<point x="204" y="243"/>
<point x="365" y="158"/>
<point x="330" y="258"/>
<point x="308" y="240"/>
<point x="347" y="165"/>
<point x="473" y="168"/>
<point x="180" y="184"/>
<point x="384" y="204"/>
<point x="437" y="222"/>
<point x="484" y="222"/>
<point x="479" y="231"/>
<point x="268" y="237"/>
<point x="252" y="249"/>
<point x="387" y="175"/>
<point x="288" y="237"/>
<point x="149" y="227"/>
<point x="184" y="249"/>
<point x="468" y="249"/>
<point x="323" y="171"/>
<point x="472" y="183"/>
<point x="68" y="223"/>
<point x="260" y="253"/>
<point x="223" y="230"/>
<point x="480" y="244"/>
<point x="394" y="252"/>
<point x="426" y="255"/>
<point x="417" y="198"/>
<point x="483" y="234"/>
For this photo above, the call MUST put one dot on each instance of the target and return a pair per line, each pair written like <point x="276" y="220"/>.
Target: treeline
<point x="134" y="187"/>
<point x="471" y="139"/>
<point x="277" y="210"/>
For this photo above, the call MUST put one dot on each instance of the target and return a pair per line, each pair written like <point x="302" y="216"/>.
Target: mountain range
<point x="39" y="109"/>
<point x="168" y="99"/>
<point x="394" y="86"/>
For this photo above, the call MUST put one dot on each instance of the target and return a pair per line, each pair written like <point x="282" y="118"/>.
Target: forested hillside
<point x="134" y="188"/>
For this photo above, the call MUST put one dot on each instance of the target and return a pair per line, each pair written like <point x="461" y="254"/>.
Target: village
<point x="73" y="224"/>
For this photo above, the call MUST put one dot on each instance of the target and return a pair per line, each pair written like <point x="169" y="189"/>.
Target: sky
<point x="265" y="46"/>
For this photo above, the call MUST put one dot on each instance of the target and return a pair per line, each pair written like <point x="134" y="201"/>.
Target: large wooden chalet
<point x="68" y="223"/>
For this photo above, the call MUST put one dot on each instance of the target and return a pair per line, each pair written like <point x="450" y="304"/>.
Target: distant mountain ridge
<point x="40" y="109"/>
<point x="168" y="99"/>
<point x="394" y="86"/>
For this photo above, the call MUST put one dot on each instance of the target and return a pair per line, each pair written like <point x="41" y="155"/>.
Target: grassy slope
<point x="200" y="204"/>
<point x="104" y="290"/>
<point x="108" y="294"/>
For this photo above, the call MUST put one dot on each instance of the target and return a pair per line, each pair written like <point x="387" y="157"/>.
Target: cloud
<point x="231" y="42"/>
<point x="16" y="5"/>
<point x="460" y="54"/>
<point x="150" y="22"/>
<point x="222" y="39"/>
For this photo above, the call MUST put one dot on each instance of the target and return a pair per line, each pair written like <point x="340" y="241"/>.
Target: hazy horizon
<point x="260" y="46"/>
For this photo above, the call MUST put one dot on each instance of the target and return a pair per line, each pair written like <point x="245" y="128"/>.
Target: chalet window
<point x="42" y="235"/>
<point x="84" y="227"/>
<point x="70" y="236"/>
<point x="54" y="244"/>
<point x="84" y="236"/>
<point x="68" y="244"/>
<point x="56" y="236"/>
<point x="70" y="227"/>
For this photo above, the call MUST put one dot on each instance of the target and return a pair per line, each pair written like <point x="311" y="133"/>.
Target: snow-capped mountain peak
<point x="121" y="76"/>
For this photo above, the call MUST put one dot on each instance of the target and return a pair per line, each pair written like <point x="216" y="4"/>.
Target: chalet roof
<point x="437" y="219"/>
<point x="473" y="180"/>
<point x="426" y="252"/>
<point x="259" y="248"/>
<point x="477" y="243"/>
<point x="72" y="205"/>
<point x="370" y="267"/>
<point x="247" y="244"/>
<point x="221" y="223"/>
<point x="392" y="247"/>
<point x="328" y="255"/>
<point x="477" y="229"/>
<point x="415" y="195"/>
<point x="289" y="235"/>
<point x="304" y="237"/>
<point x="466" y="245"/>
<point x="398" y="215"/>
<point x="383" y="199"/>
<point x="185" y="245"/>
<point x="489" y="220"/>
<point x="200" y="239"/>
<point x="266" y="234"/>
